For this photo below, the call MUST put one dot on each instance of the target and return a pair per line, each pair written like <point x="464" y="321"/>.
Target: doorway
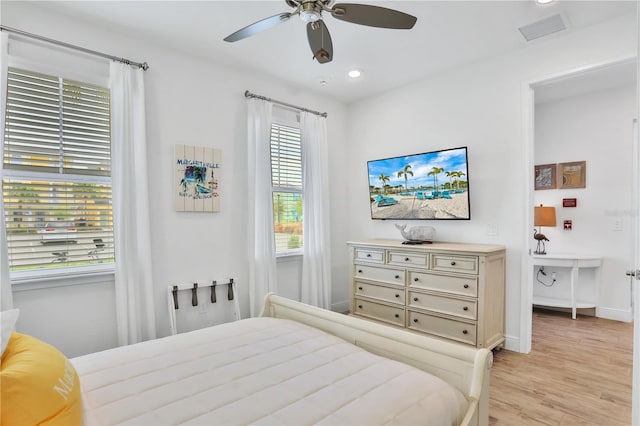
<point x="585" y="117"/>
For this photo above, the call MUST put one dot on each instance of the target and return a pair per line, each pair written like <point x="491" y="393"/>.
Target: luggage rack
<point x="172" y="297"/>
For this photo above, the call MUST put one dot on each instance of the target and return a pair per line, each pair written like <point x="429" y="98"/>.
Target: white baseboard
<point x="512" y="343"/>
<point x="341" y="307"/>
<point x="625" y="315"/>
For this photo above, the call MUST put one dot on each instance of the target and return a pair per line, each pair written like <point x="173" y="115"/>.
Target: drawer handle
<point x="466" y="286"/>
<point x="416" y="279"/>
<point x="465" y="332"/>
<point x="397" y="316"/>
<point x="466" y="308"/>
<point x="359" y="306"/>
<point x="415" y="299"/>
<point x="397" y="295"/>
<point x="453" y="263"/>
<point x="359" y="288"/>
<point x="368" y="254"/>
<point x="415" y="320"/>
<point x="359" y="271"/>
<point x="397" y="276"/>
<point x="406" y="259"/>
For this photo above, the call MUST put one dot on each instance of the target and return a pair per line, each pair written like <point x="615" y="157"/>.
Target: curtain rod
<point x="142" y="65"/>
<point x="248" y="94"/>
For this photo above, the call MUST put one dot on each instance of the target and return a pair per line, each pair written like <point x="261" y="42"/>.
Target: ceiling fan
<point x="318" y="35"/>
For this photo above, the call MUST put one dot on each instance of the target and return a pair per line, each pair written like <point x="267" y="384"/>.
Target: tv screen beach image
<point x="431" y="185"/>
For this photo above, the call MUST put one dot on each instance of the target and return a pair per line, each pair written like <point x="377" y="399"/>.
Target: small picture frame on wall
<point x="572" y="175"/>
<point x="545" y="176"/>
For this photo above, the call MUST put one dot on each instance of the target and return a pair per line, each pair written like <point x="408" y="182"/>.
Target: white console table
<point x="575" y="262"/>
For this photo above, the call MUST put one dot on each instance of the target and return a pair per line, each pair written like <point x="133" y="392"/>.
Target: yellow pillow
<point x="38" y="385"/>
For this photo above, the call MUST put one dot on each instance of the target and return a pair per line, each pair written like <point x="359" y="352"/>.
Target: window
<point x="56" y="182"/>
<point x="286" y="183"/>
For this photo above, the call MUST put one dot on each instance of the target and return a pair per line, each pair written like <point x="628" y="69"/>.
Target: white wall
<point x="596" y="128"/>
<point x="189" y="101"/>
<point x="77" y="316"/>
<point x="479" y="106"/>
<point x="192" y="101"/>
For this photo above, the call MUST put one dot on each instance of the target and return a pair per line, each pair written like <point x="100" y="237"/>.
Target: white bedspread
<point x="259" y="371"/>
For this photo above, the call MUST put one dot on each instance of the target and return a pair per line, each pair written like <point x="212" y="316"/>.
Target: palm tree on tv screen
<point x="384" y="179"/>
<point x="458" y="175"/>
<point x="434" y="172"/>
<point x="450" y="176"/>
<point x="405" y="172"/>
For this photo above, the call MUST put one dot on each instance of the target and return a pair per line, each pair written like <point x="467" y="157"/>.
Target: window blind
<point x="55" y="125"/>
<point x="57" y="168"/>
<point x="286" y="180"/>
<point x="286" y="158"/>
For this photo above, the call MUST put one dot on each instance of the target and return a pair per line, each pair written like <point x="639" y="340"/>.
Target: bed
<point x="295" y="364"/>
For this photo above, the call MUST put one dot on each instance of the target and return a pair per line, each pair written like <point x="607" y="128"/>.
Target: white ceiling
<point x="447" y="34"/>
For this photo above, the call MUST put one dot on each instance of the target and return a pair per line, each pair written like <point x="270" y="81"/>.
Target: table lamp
<point x="542" y="216"/>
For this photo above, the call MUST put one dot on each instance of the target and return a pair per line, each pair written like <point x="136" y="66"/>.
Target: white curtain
<point x="262" y="261"/>
<point x="6" y="296"/>
<point x="134" y="285"/>
<point x="316" y="261"/>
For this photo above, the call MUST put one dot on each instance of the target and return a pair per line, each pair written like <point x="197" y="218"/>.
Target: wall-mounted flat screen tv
<point x="431" y="185"/>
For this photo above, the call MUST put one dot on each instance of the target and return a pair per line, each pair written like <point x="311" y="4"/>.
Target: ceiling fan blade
<point x="320" y="41"/>
<point x="373" y="16"/>
<point x="258" y="27"/>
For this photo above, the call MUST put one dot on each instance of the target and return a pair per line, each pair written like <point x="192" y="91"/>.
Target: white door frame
<point x="635" y="392"/>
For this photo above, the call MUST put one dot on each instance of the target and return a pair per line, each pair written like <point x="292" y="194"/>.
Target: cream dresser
<point x="452" y="291"/>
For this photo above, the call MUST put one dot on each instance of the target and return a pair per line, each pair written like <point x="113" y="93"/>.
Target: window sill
<point x="33" y="280"/>
<point x="288" y="255"/>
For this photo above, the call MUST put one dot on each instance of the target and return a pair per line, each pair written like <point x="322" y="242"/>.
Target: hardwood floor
<point x="578" y="373"/>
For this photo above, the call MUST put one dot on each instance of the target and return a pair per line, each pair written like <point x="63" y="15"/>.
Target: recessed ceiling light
<point x="354" y="73"/>
<point x="544" y="1"/>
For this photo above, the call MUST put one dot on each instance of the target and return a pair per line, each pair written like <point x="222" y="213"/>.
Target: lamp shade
<point x="544" y="216"/>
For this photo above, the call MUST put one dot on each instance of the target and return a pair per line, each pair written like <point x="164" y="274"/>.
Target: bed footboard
<point x="465" y="368"/>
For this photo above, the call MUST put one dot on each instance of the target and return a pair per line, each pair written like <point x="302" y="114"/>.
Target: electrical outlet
<point x="616" y="225"/>
<point x="202" y="308"/>
<point x="553" y="276"/>
<point x="492" y="229"/>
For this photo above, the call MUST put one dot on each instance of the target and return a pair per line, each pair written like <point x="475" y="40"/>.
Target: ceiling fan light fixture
<point x="310" y="15"/>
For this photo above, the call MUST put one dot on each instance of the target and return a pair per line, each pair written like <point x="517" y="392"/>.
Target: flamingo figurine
<point x="541" y="238"/>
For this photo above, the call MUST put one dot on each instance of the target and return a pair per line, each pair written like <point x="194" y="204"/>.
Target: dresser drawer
<point x="452" y="263"/>
<point x="390" y="314"/>
<point x="389" y="294"/>
<point x="369" y="255"/>
<point x="451" y="329"/>
<point x="462" y="285"/>
<point x="446" y="305"/>
<point x="387" y="275"/>
<point x="408" y="259"/>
